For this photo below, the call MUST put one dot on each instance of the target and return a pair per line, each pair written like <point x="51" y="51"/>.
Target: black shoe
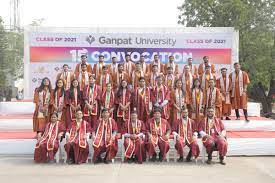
<point x="130" y="160"/>
<point x="154" y="158"/>
<point x="51" y="161"/>
<point x="180" y="159"/>
<point x="227" y="118"/>
<point x="222" y="162"/>
<point x="189" y="156"/>
<point x="209" y="161"/>
<point x="160" y="157"/>
<point x="134" y="159"/>
<point x="106" y="161"/>
<point x="71" y="161"/>
<point x="247" y="120"/>
<point x="98" y="160"/>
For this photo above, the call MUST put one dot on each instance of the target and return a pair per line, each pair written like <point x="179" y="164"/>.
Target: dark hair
<point x="78" y="110"/>
<point x="210" y="107"/>
<point x="42" y="86"/>
<point x="155" y="65"/>
<point x="157" y="109"/>
<point x="141" y="78"/>
<point x="236" y="63"/>
<point x="62" y="89"/>
<point x="83" y="64"/>
<point x="205" y="57"/>
<point x="159" y="76"/>
<point x="175" y="86"/>
<point x="120" y="65"/>
<point x="65" y="65"/>
<point x="54" y="113"/>
<point x="223" y="69"/>
<point x="127" y="55"/>
<point x="71" y="96"/>
<point x="171" y="56"/>
<point x="82" y="56"/>
<point x="104" y="110"/>
<point x="92" y="76"/>
<point x="193" y="85"/>
<point x="113" y="57"/>
<point x="120" y="89"/>
<point x="100" y="56"/>
<point x="156" y="55"/>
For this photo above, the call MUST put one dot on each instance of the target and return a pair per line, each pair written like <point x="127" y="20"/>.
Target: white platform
<point x="236" y="147"/>
<point x="15" y="108"/>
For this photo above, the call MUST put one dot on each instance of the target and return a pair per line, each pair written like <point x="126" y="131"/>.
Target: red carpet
<point x="17" y="135"/>
<point x="251" y="134"/>
<point x="19" y="116"/>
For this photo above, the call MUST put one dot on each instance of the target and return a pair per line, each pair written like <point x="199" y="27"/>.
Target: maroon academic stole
<point x="108" y="102"/>
<point x="186" y="132"/>
<point x="74" y="102"/>
<point x="125" y="98"/>
<point x="143" y="97"/>
<point x="209" y="130"/>
<point x="157" y="131"/>
<point x="92" y="96"/>
<point x="107" y="126"/>
<point x="131" y="143"/>
<point x="81" y="133"/>
<point x="160" y="96"/>
<point x="51" y="134"/>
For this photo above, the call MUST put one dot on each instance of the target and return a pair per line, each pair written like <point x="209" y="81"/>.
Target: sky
<point x="97" y="13"/>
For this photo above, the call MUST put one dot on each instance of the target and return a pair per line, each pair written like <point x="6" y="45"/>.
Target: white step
<point x="253" y="125"/>
<point x="236" y="147"/>
<point x="15" y="108"/>
<point x="16" y="124"/>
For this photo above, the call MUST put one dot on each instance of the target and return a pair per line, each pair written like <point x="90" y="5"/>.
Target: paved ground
<point x="238" y="169"/>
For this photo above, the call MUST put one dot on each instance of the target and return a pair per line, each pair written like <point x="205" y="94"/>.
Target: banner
<point x="47" y="49"/>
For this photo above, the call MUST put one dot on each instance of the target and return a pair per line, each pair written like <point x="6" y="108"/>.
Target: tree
<point x="255" y="20"/>
<point x="11" y="56"/>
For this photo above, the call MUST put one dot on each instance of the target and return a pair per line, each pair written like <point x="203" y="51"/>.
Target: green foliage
<point x="11" y="55"/>
<point x="255" y="20"/>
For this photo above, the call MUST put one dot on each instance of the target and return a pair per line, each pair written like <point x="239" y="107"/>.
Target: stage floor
<point x="14" y="169"/>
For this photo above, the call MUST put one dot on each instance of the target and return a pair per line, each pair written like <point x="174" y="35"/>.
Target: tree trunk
<point x="258" y="93"/>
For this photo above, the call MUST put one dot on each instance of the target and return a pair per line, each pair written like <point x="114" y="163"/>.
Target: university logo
<point x="34" y="80"/>
<point x="56" y="69"/>
<point x="41" y="70"/>
<point x="90" y="39"/>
